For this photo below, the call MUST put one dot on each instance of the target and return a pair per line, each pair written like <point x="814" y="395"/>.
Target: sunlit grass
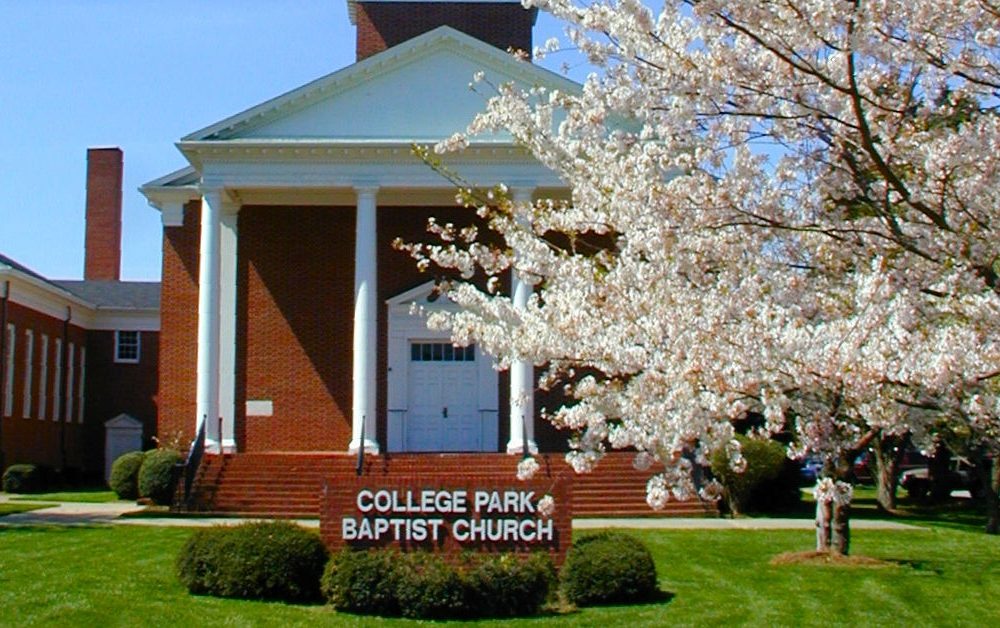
<point x="89" y="496"/>
<point x="124" y="576"/>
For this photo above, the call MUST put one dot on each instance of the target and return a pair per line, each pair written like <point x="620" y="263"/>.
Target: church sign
<point x="480" y="512"/>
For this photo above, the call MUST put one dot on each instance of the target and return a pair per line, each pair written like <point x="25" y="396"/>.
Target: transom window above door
<point x="441" y="352"/>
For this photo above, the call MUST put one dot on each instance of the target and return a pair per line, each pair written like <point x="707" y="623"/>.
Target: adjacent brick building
<point x="78" y="353"/>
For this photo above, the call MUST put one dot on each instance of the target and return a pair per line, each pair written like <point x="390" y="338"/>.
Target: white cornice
<point x="51" y="300"/>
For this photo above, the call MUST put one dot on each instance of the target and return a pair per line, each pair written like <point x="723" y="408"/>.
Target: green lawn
<point x="90" y="496"/>
<point x="124" y="576"/>
<point x="8" y="508"/>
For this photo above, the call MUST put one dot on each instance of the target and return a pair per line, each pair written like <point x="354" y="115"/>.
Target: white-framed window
<point x="8" y="388"/>
<point x="29" y="358"/>
<point x="57" y="389"/>
<point x="69" y="381"/>
<point x="83" y="379"/>
<point x="43" y="377"/>
<point x="127" y="345"/>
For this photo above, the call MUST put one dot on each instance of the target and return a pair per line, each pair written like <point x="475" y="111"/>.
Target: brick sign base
<point x="441" y="513"/>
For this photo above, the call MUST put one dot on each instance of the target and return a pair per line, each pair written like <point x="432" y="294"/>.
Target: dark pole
<point x="3" y="362"/>
<point x="361" y="449"/>
<point x="65" y="388"/>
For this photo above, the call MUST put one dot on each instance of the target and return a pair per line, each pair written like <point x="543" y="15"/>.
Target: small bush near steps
<point x="609" y="568"/>
<point x="124" y="480"/>
<point x="264" y="560"/>
<point x="158" y="475"/>
<point x="24" y="478"/>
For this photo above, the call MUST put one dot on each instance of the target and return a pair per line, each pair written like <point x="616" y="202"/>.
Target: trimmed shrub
<point x="508" y="585"/>
<point x="24" y="478"/>
<point x="609" y="568"/>
<point x="264" y="560"/>
<point x="124" y="480"/>
<point x="765" y="459"/>
<point x="428" y="587"/>
<point x="363" y="582"/>
<point x="158" y="475"/>
<point x="423" y="585"/>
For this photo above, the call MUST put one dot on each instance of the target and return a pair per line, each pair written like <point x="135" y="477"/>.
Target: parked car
<point x="809" y="471"/>
<point x="864" y="464"/>
<point x="960" y="475"/>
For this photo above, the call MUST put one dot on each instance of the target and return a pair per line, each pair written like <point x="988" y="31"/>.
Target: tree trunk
<point x="841" y="539"/>
<point x="988" y="473"/>
<point x="888" y="453"/>
<point x="824" y="515"/>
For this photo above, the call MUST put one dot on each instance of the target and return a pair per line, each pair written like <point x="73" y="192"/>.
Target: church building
<point x="287" y="328"/>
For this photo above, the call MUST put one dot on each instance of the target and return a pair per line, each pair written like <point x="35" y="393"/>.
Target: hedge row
<point x="424" y="585"/>
<point x="281" y="561"/>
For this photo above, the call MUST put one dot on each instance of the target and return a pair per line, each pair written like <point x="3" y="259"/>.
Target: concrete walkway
<point x="129" y="513"/>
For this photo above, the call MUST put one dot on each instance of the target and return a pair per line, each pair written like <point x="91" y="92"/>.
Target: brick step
<point x="289" y="484"/>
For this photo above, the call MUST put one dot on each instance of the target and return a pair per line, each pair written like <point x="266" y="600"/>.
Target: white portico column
<point x="227" y="324"/>
<point x="365" y="329"/>
<point x="522" y="372"/>
<point x="208" y="318"/>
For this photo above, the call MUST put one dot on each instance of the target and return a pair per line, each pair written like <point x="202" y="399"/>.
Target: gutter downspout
<point x="65" y="388"/>
<point x="3" y="362"/>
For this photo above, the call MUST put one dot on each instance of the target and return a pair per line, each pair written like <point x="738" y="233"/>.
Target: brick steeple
<point x="382" y="24"/>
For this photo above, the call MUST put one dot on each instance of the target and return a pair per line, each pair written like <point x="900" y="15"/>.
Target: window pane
<point x="415" y="352"/>
<point x="425" y="350"/>
<point x="449" y="353"/>
<point x="438" y="352"/>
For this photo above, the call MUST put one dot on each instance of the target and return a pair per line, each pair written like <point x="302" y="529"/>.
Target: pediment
<point x="123" y="421"/>
<point x="423" y="296"/>
<point x="417" y="91"/>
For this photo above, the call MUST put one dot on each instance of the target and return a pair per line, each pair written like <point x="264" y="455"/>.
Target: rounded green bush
<point x="508" y="585"/>
<point x="264" y="560"/>
<point x="609" y="568"/>
<point x="423" y="585"/>
<point x="765" y="460"/>
<point x="427" y="587"/>
<point x="23" y="478"/>
<point x="124" y="480"/>
<point x="362" y="582"/>
<point x="158" y="476"/>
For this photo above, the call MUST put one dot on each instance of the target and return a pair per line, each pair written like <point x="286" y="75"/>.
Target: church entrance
<point x="442" y="398"/>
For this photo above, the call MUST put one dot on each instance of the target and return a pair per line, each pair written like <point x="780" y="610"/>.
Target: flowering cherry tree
<point x="786" y="207"/>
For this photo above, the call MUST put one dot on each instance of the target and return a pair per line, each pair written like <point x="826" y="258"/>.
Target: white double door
<point x="443" y="410"/>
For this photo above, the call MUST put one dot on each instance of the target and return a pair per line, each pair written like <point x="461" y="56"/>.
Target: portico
<point x="296" y="201"/>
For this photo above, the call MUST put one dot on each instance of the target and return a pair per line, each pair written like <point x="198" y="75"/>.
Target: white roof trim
<point x="376" y="64"/>
<point x="413" y="294"/>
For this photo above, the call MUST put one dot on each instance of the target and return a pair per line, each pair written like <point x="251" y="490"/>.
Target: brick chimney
<point x="103" y="245"/>
<point x="384" y="23"/>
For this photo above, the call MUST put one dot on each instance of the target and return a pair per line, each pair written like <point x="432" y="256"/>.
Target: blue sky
<point x="138" y="74"/>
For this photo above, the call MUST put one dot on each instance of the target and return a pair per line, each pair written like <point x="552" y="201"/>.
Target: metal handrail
<point x="193" y="461"/>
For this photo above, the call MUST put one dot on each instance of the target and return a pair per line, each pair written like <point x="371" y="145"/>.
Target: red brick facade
<point x="383" y="25"/>
<point x="31" y="433"/>
<point x="102" y="258"/>
<point x="295" y="325"/>
<point x="294" y="328"/>
<point x="178" y="356"/>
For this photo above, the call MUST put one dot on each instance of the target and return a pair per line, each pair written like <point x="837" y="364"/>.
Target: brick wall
<point x="383" y="25"/>
<point x="33" y="439"/>
<point x="294" y="331"/>
<point x="102" y="246"/>
<point x="178" y="341"/>
<point x="114" y="388"/>
<point x="295" y="299"/>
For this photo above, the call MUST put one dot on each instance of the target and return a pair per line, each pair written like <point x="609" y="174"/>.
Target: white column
<point x="208" y="318"/>
<point x="227" y="326"/>
<point x="365" y="324"/>
<point x="522" y="372"/>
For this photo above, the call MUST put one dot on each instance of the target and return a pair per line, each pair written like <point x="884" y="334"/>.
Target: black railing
<point x="193" y="461"/>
